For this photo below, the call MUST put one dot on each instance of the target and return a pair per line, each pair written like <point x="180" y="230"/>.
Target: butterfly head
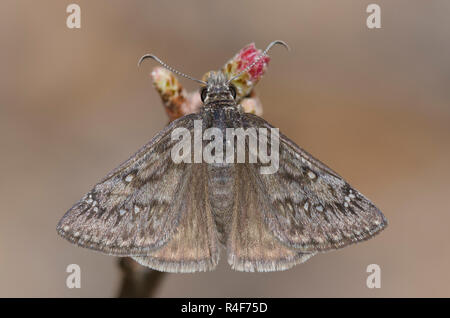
<point x="217" y="89"/>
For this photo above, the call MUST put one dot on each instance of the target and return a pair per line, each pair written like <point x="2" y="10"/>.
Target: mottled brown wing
<point x="251" y="245"/>
<point x="309" y="207"/>
<point x="137" y="208"/>
<point x="194" y="246"/>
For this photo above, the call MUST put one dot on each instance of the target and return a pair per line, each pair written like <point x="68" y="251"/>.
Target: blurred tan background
<point x="372" y="104"/>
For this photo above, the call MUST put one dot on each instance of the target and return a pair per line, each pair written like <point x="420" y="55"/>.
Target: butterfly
<point x="177" y="216"/>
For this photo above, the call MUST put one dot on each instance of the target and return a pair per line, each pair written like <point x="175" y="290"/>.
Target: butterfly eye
<point x="203" y="93"/>
<point x="233" y="91"/>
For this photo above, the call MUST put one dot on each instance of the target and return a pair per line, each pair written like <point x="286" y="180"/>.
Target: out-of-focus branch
<point x="140" y="281"/>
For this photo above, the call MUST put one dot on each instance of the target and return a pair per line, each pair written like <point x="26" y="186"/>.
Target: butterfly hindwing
<point x="251" y="245"/>
<point x="194" y="246"/>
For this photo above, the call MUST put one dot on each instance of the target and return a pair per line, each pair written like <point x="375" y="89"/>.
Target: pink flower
<point x="246" y="56"/>
<point x="247" y="81"/>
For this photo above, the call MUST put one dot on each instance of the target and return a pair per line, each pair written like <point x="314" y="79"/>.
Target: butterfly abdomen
<point x="221" y="196"/>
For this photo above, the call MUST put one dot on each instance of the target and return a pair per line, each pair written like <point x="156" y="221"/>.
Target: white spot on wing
<point x="311" y="175"/>
<point x="319" y="240"/>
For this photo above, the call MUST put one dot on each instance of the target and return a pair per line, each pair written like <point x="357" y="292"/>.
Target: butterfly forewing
<point x="310" y="207"/>
<point x="138" y="206"/>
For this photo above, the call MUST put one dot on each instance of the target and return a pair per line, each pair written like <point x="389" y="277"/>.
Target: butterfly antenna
<point x="151" y="56"/>
<point x="264" y="53"/>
